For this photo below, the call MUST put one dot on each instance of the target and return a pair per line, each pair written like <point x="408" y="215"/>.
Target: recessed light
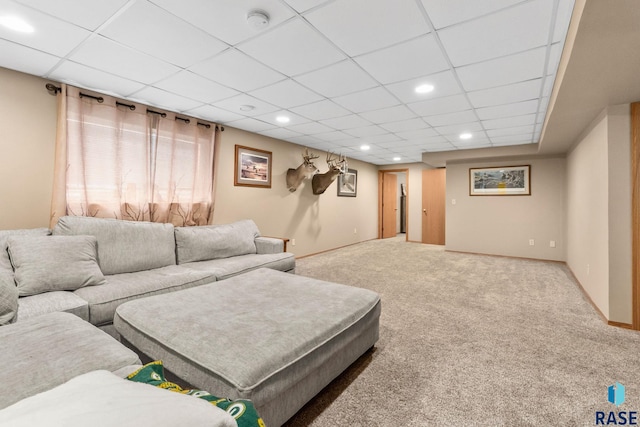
<point x="246" y="107"/>
<point x="16" y="24"/>
<point x="397" y="159"/>
<point x="364" y="147"/>
<point x="465" y="136"/>
<point x="283" y="119"/>
<point x="426" y="88"/>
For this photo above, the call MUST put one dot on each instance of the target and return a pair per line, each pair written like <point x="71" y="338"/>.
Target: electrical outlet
<point x="552" y="244"/>
<point x="532" y="242"/>
<point x="293" y="242"/>
<point x="588" y="269"/>
<point x="355" y="231"/>
<point x="453" y="201"/>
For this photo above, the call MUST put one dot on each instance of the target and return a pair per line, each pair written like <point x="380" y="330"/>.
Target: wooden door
<point x="433" y="206"/>
<point x="389" y="205"/>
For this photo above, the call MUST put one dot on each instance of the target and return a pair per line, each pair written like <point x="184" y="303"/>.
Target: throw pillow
<point x="101" y="399"/>
<point x="241" y="410"/>
<point x="54" y="263"/>
<point x="207" y="242"/>
<point x="8" y="298"/>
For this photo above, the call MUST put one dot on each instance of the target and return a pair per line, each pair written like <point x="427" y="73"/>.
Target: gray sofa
<point x="89" y="266"/>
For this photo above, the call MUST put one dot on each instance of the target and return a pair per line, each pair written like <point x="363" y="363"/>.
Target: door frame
<point x="635" y="214"/>
<point x="381" y="173"/>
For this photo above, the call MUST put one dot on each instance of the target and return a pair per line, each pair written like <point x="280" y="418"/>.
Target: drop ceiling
<point x="344" y="72"/>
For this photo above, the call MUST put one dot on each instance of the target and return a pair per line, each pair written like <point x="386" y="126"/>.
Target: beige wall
<point x="599" y="213"/>
<point x="28" y="126"/>
<point x="503" y="225"/>
<point x="317" y="223"/>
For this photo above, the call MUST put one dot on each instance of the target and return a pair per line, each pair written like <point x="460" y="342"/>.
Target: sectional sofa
<point x="89" y="266"/>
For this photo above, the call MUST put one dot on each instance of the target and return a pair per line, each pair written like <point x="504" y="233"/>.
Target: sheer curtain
<point x="128" y="163"/>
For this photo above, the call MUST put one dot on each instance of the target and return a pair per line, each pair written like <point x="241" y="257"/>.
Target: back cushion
<point x="216" y="241"/>
<point x="5" y="263"/>
<point x="124" y="246"/>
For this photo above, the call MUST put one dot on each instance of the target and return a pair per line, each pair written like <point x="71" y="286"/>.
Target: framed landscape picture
<point x="348" y="183"/>
<point x="253" y="167"/>
<point x="500" y="181"/>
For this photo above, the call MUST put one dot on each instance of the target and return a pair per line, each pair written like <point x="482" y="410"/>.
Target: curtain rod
<point x="55" y="89"/>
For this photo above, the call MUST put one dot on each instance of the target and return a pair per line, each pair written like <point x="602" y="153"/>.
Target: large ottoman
<point x="272" y="337"/>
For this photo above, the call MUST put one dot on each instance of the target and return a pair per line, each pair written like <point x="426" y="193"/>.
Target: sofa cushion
<point x="54" y="263"/>
<point x="52" y="302"/>
<point x="103" y="300"/>
<point x="101" y="399"/>
<point x="216" y="241"/>
<point x="46" y="351"/>
<point x="8" y="298"/>
<point x="228" y="267"/>
<point x="5" y="263"/>
<point x="124" y="246"/>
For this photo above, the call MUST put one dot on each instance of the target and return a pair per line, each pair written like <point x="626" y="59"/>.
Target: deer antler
<point x="308" y="157"/>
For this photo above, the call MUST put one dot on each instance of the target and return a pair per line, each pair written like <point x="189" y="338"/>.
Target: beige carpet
<point x="472" y="340"/>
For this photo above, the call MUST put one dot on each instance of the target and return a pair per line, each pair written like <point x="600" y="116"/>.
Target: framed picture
<point x="500" y="181"/>
<point x="253" y="167"/>
<point x="348" y="183"/>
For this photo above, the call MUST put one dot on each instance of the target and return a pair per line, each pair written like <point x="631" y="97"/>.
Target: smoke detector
<point x="258" y="19"/>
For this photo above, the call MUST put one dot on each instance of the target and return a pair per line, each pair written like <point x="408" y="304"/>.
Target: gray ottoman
<point x="272" y="337"/>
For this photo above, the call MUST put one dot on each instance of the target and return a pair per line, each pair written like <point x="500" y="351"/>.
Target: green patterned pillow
<point x="241" y="410"/>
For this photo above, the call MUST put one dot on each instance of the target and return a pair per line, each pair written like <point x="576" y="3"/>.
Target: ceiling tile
<point x="280" y="133"/>
<point x="518" y="130"/>
<point x="563" y="19"/>
<point x="234" y="104"/>
<point x="89" y="14"/>
<point x="451" y="118"/>
<point x="109" y="56"/>
<point x="311" y="128"/>
<point x="90" y="78"/>
<point x="346" y="122"/>
<point x="237" y="70"/>
<point x="366" y="131"/>
<point x="502" y="71"/>
<point x="385" y="138"/>
<point x="51" y="35"/>
<point x="361" y="26"/>
<point x="516" y="92"/>
<point x="304" y="5"/>
<point x="449" y="104"/>
<point x="419" y="134"/>
<point x="337" y="79"/>
<point x="294" y="119"/>
<point x="251" y="125"/>
<point x="401" y="61"/>
<point x="474" y="128"/>
<point x="438" y="146"/>
<point x="405" y="125"/>
<point x="286" y="94"/>
<point x="27" y="60"/>
<point x="444" y="13"/>
<point x="516" y="140"/>
<point x="333" y="136"/>
<point x="227" y="19"/>
<point x="321" y="110"/>
<point x="292" y="48"/>
<point x="512" y="30"/>
<point x="164" y="99"/>
<point x="152" y="30"/>
<point x="471" y="144"/>
<point x="554" y="58"/>
<point x="508" y="122"/>
<point x="367" y="100"/>
<point x="195" y="87"/>
<point x="444" y="84"/>
<point x="391" y="114"/>
<point x="507" y="110"/>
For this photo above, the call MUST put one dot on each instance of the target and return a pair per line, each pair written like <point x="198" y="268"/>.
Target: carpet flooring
<point x="472" y="340"/>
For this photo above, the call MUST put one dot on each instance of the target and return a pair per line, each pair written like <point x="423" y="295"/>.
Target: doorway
<point x="393" y="196"/>
<point x="433" y="206"/>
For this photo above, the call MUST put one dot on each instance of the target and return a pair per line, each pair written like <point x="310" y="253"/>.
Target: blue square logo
<point x="616" y="394"/>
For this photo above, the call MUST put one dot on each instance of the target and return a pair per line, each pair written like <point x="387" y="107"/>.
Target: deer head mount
<point x="322" y="181"/>
<point x="306" y="170"/>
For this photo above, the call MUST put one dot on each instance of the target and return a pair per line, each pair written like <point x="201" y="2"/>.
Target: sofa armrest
<point x="271" y="245"/>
